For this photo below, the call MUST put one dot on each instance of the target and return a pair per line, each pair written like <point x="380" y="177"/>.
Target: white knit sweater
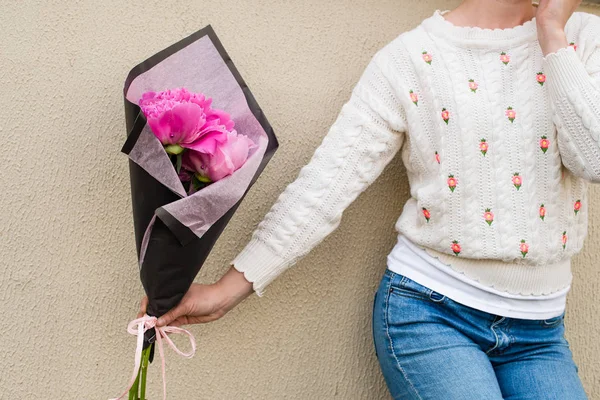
<point x="499" y="143"/>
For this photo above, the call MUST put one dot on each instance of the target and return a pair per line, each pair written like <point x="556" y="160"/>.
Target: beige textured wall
<point x="68" y="278"/>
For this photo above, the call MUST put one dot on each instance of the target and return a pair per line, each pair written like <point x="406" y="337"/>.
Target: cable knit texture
<point x="499" y="142"/>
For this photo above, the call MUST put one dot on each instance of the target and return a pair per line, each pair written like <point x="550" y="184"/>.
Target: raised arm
<point x="367" y="134"/>
<point x="573" y="80"/>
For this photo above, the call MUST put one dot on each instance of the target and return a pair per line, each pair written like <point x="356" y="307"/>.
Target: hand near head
<point x="554" y="14"/>
<point x="206" y="303"/>
<point x="551" y="18"/>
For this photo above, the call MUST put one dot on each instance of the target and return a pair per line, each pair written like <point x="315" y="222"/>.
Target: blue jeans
<point x="431" y="347"/>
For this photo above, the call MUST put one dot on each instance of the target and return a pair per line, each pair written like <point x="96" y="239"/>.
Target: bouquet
<point x="200" y="140"/>
<point x="197" y="141"/>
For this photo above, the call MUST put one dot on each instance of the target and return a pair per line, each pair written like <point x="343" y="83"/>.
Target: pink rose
<point x="414" y="97"/>
<point x="524" y="247"/>
<point x="427" y="57"/>
<point x="228" y="157"/>
<point x="511" y="114"/>
<point x="445" y="115"/>
<point x="473" y="85"/>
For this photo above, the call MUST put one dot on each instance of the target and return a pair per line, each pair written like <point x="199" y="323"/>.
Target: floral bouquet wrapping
<point x="197" y="141"/>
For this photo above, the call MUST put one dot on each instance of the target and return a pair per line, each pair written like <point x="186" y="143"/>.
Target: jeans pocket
<point x="405" y="286"/>
<point x="553" y="322"/>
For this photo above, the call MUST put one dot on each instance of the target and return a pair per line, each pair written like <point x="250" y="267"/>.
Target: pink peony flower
<point x="181" y="119"/>
<point x="228" y="157"/>
<point x="185" y="175"/>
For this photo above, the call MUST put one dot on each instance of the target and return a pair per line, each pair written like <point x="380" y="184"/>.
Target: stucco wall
<point x="68" y="277"/>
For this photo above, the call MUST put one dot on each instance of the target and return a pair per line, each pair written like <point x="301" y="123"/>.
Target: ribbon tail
<point x="138" y="360"/>
<point x="161" y="352"/>
<point x="173" y="329"/>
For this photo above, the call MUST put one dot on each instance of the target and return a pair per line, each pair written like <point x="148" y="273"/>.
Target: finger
<point x="143" y="306"/>
<point x="171" y="316"/>
<point x="185" y="320"/>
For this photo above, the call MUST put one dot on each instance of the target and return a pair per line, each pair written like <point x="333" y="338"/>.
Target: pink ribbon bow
<point x="144" y="324"/>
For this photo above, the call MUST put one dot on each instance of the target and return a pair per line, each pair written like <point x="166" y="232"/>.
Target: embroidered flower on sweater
<point x="426" y="214"/>
<point x="427" y="57"/>
<point x="577" y="206"/>
<point x="437" y="157"/>
<point x="544" y="143"/>
<point x="564" y="239"/>
<point x="517" y="180"/>
<point x="473" y="85"/>
<point x="524" y="247"/>
<point x="445" y="115"/>
<point x="505" y="58"/>
<point x="455" y="247"/>
<point x="483" y="146"/>
<point x="542" y="211"/>
<point x="452" y="182"/>
<point x="488" y="216"/>
<point x="541" y="78"/>
<point x="573" y="45"/>
<point x="511" y="114"/>
<point x="414" y="98"/>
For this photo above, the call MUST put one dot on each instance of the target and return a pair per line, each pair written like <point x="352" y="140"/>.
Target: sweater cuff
<point x="565" y="71"/>
<point x="259" y="264"/>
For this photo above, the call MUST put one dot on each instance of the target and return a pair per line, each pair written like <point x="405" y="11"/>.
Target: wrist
<point x="551" y="39"/>
<point x="232" y="288"/>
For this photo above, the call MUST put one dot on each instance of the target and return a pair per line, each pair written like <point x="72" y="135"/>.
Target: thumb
<point x="170" y="316"/>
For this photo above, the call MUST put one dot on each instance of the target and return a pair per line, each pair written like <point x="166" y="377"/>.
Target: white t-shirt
<point x="409" y="260"/>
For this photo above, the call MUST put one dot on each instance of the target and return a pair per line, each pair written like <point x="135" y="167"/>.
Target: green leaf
<point x="144" y="372"/>
<point x="174" y="149"/>
<point x="203" y="179"/>
<point x="179" y="160"/>
<point x="196" y="183"/>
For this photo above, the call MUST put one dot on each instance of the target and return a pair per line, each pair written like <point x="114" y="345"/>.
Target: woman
<point x="495" y="108"/>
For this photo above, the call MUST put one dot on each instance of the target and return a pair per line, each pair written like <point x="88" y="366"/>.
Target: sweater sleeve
<point x="574" y="90"/>
<point x="365" y="137"/>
